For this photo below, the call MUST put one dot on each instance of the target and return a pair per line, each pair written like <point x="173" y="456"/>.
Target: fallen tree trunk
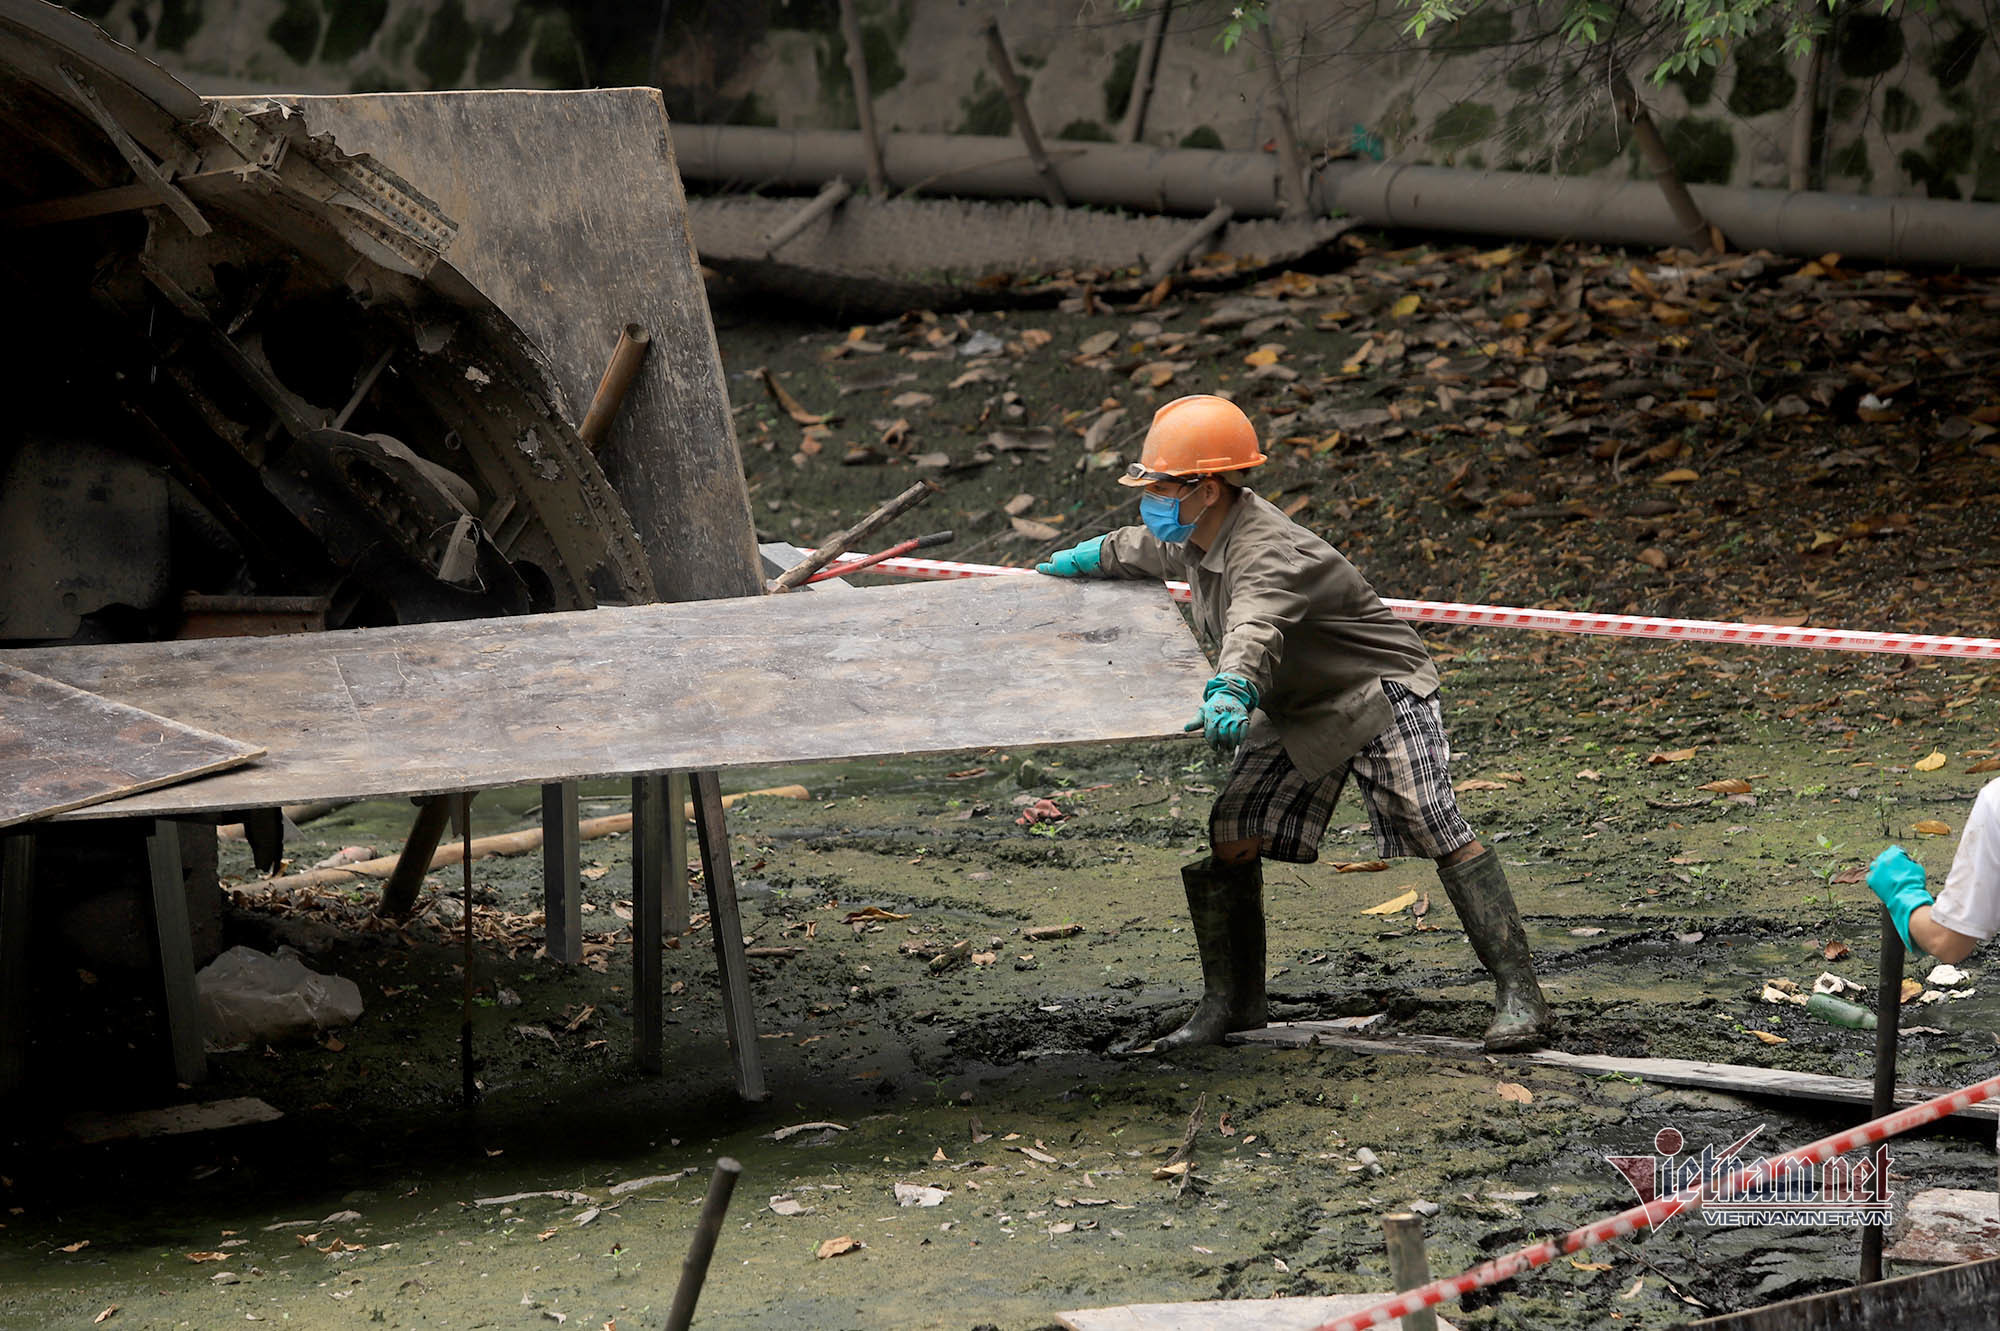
<point x="1507" y="203"/>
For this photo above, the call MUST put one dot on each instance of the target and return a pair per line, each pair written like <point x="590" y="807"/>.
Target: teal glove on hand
<point x="1899" y="881"/>
<point x="1079" y="561"/>
<point x="1226" y="704"/>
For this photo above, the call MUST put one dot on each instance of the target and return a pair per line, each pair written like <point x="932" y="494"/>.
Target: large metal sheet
<point x="747" y="682"/>
<point x="571" y="218"/>
<point x="62" y="748"/>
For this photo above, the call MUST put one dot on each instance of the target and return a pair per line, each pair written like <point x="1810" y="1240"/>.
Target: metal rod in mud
<point x="1665" y="1208"/>
<point x="468" y="1087"/>
<point x="1888" y="1016"/>
<point x="694" y="1269"/>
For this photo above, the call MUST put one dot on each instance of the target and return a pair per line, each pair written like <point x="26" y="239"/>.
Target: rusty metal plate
<point x="697" y="686"/>
<point x="62" y="748"/>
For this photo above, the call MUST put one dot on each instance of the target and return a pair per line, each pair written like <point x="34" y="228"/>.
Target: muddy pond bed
<point x="1657" y="910"/>
<point x="1680" y="825"/>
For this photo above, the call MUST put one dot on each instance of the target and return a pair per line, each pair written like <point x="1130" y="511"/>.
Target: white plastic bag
<point x="246" y="995"/>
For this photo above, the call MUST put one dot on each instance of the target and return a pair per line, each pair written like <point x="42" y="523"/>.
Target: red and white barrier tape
<point x="1660" y="1209"/>
<point x="1567" y="621"/>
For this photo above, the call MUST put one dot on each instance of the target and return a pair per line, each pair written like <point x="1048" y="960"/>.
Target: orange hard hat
<point x="1193" y="437"/>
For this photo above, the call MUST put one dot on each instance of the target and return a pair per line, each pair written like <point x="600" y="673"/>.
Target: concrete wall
<point x="1904" y="103"/>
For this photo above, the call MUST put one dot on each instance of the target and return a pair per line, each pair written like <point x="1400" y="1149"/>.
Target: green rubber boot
<point x="1226" y="904"/>
<point x="1478" y="891"/>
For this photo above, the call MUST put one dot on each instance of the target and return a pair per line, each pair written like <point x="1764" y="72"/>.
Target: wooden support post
<point x="1133" y="126"/>
<point x="562" y="849"/>
<point x="1408" y="1267"/>
<point x="694" y="1268"/>
<point x="467" y="1074"/>
<point x="1697" y="233"/>
<point x="712" y="827"/>
<point x="1292" y="193"/>
<point x="1017" y="102"/>
<point x="651" y="818"/>
<point x="176" y="950"/>
<point x="399" y="894"/>
<point x="830" y="196"/>
<point x="864" y="98"/>
<point x="1888" y="1020"/>
<point x="677" y="917"/>
<point x="616" y="382"/>
<point x="17" y="883"/>
<point x="264" y="829"/>
<point x="1192" y="240"/>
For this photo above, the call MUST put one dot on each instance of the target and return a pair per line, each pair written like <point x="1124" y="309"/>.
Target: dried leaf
<point x="1034" y="339"/>
<point x="105" y="1315"/>
<point x="1393" y="904"/>
<point x="789" y="404"/>
<point x="214" y="1256"/>
<point x="1834" y="951"/>
<point x="1098" y="343"/>
<point x="1680" y="476"/>
<point x="1513" y="1092"/>
<point x="1633" y="1292"/>
<point x="1267" y="354"/>
<point x="1406" y="306"/>
<point x="1670" y="756"/>
<point x="1035" y="531"/>
<point x="1931" y="827"/>
<point x="1018" y="505"/>
<point x="1912" y="990"/>
<point x="1729" y="785"/>
<point x="1361" y="866"/>
<point x="1931" y="763"/>
<point x="1769" y="1038"/>
<point x="919" y="1194"/>
<point x="1477" y="783"/>
<point x="911" y="400"/>
<point x="835" y="1247"/>
<point x="78" y="1246"/>
<point x="1589" y="1266"/>
<point x="1985" y="765"/>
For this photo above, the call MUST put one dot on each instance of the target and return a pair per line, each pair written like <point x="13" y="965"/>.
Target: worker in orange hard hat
<point x="1315" y="680"/>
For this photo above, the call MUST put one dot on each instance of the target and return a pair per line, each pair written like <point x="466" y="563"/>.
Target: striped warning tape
<point x="1569" y="621"/>
<point x="1663" y="1208"/>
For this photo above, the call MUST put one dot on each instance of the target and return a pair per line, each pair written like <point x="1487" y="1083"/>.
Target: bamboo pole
<point x="1133" y="126"/>
<point x="1024" y="124"/>
<point x="830" y="196"/>
<point x="864" y="98"/>
<point x="1698" y="234"/>
<point x="1291" y="160"/>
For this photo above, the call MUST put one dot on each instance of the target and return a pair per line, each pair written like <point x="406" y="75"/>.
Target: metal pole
<point x="694" y="1270"/>
<point x="1888" y="1014"/>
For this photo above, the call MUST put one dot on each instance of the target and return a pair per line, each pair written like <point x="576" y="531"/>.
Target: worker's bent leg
<point x="1226" y="906"/>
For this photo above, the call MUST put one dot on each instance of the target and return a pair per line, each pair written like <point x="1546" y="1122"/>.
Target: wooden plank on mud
<point x="1733" y="1078"/>
<point x="1957" y="1298"/>
<point x="63" y="748"/>
<point x="423" y="709"/>
<point x="92" y="1127"/>
<point x="1225" y="1314"/>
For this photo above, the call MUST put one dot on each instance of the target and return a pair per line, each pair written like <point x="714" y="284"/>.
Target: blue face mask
<point x="1162" y="517"/>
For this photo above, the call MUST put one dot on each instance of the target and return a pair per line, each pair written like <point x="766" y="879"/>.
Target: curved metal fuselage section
<point x="246" y="370"/>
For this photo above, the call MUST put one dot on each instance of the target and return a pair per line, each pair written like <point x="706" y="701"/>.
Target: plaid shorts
<point x="1404" y="780"/>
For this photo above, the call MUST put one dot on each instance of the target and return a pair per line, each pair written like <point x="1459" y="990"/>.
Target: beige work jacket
<point x="1288" y="613"/>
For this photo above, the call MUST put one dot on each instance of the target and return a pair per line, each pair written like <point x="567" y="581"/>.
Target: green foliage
<point x="1703" y="31"/>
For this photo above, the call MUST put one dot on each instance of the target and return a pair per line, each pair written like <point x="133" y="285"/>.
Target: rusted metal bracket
<point x="142" y="163"/>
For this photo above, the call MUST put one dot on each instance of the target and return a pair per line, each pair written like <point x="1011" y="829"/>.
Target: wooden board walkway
<point x="699" y="686"/>
<point x="1226" y="1314"/>
<point x="1732" y="1078"/>
<point x="62" y="748"/>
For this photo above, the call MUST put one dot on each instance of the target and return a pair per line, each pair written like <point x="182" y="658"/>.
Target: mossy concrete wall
<point x="1901" y="108"/>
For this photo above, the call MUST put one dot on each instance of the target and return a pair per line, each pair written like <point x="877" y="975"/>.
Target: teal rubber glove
<point x="1079" y="561"/>
<point x="1899" y="881"/>
<point x="1226" y="703"/>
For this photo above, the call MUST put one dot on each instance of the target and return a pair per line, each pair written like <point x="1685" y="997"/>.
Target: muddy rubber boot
<point x="1226" y="904"/>
<point x="1478" y="891"/>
